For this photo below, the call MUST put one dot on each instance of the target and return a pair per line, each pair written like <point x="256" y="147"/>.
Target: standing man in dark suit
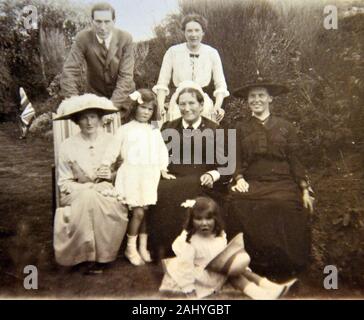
<point x="108" y="53"/>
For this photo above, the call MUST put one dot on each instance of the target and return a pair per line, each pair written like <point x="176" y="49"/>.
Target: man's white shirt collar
<point x="107" y="40"/>
<point x="194" y="126"/>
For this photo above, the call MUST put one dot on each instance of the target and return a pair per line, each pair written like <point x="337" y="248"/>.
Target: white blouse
<point x="180" y="66"/>
<point x="80" y="157"/>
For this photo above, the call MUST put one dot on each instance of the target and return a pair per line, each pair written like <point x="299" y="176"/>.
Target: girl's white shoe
<point x="277" y="288"/>
<point x="256" y="292"/>
<point x="134" y="257"/>
<point x="145" y="254"/>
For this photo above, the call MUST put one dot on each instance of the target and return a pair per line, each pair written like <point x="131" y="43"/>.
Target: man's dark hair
<point x="103" y="6"/>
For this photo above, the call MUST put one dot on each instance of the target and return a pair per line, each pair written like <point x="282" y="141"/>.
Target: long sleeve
<point x="162" y="152"/>
<point x="165" y="73"/>
<point x="225" y="154"/>
<point x="125" y="83"/>
<point x="71" y="74"/>
<point x="113" y="150"/>
<point x="218" y="75"/>
<point x="182" y="248"/>
<point x="66" y="180"/>
<point x="297" y="169"/>
<point x="240" y="161"/>
<point x="181" y="268"/>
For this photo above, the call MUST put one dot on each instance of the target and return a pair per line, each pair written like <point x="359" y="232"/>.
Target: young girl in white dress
<point x="202" y="239"/>
<point x="144" y="157"/>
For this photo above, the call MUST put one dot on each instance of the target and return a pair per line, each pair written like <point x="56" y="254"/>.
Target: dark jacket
<point x="268" y="152"/>
<point x="206" y="145"/>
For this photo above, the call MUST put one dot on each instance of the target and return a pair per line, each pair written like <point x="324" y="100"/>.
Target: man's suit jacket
<point x="112" y="78"/>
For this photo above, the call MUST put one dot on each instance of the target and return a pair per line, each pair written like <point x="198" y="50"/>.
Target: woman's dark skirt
<point x="275" y="226"/>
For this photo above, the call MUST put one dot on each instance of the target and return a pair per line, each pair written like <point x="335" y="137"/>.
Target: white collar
<point x="185" y="125"/>
<point x="107" y="40"/>
<point x="262" y="120"/>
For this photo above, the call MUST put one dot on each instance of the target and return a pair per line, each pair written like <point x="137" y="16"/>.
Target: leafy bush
<point x="34" y="57"/>
<point x="42" y="124"/>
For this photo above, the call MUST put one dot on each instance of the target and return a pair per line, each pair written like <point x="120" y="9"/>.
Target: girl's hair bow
<point x="136" y="96"/>
<point x="188" y="203"/>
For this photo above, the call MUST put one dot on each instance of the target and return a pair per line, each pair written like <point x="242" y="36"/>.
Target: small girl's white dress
<point x="143" y="154"/>
<point x="186" y="272"/>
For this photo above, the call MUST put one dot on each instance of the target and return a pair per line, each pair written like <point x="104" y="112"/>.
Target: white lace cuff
<point x="160" y="87"/>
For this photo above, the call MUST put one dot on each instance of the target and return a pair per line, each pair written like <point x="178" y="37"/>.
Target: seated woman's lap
<point x="276" y="232"/>
<point x="100" y="204"/>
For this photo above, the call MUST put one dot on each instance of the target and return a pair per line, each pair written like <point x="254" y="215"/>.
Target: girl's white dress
<point x="143" y="154"/>
<point x="186" y="272"/>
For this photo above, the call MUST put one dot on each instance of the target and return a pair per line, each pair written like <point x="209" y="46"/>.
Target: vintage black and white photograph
<point x="182" y="149"/>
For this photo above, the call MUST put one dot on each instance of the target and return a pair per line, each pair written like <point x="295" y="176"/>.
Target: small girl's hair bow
<point x="136" y="96"/>
<point x="188" y="203"/>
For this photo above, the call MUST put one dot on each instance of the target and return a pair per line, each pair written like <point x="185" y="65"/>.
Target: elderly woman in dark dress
<point x="269" y="199"/>
<point x="191" y="171"/>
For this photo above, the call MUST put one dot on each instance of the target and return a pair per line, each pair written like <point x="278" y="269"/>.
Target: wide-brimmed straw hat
<point x="274" y="89"/>
<point x="233" y="260"/>
<point x="71" y="106"/>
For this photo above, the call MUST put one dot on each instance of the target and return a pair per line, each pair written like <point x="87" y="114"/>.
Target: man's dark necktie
<point x="104" y="51"/>
<point x="194" y="55"/>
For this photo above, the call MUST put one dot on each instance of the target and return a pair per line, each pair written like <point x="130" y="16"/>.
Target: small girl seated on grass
<point x="202" y="240"/>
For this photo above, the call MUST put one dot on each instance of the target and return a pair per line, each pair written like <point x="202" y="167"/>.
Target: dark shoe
<point x="96" y="269"/>
<point x="4" y="232"/>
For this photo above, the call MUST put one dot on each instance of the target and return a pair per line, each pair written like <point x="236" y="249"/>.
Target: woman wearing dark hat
<point x="91" y="222"/>
<point x="270" y="197"/>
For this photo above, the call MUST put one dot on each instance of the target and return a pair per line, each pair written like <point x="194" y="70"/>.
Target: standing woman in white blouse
<point x="193" y="60"/>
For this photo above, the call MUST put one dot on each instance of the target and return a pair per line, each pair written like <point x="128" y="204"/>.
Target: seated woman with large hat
<point x="91" y="222"/>
<point x="194" y="168"/>
<point x="270" y="197"/>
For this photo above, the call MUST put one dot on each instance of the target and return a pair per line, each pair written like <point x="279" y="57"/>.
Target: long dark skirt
<point x="167" y="218"/>
<point x="276" y="227"/>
